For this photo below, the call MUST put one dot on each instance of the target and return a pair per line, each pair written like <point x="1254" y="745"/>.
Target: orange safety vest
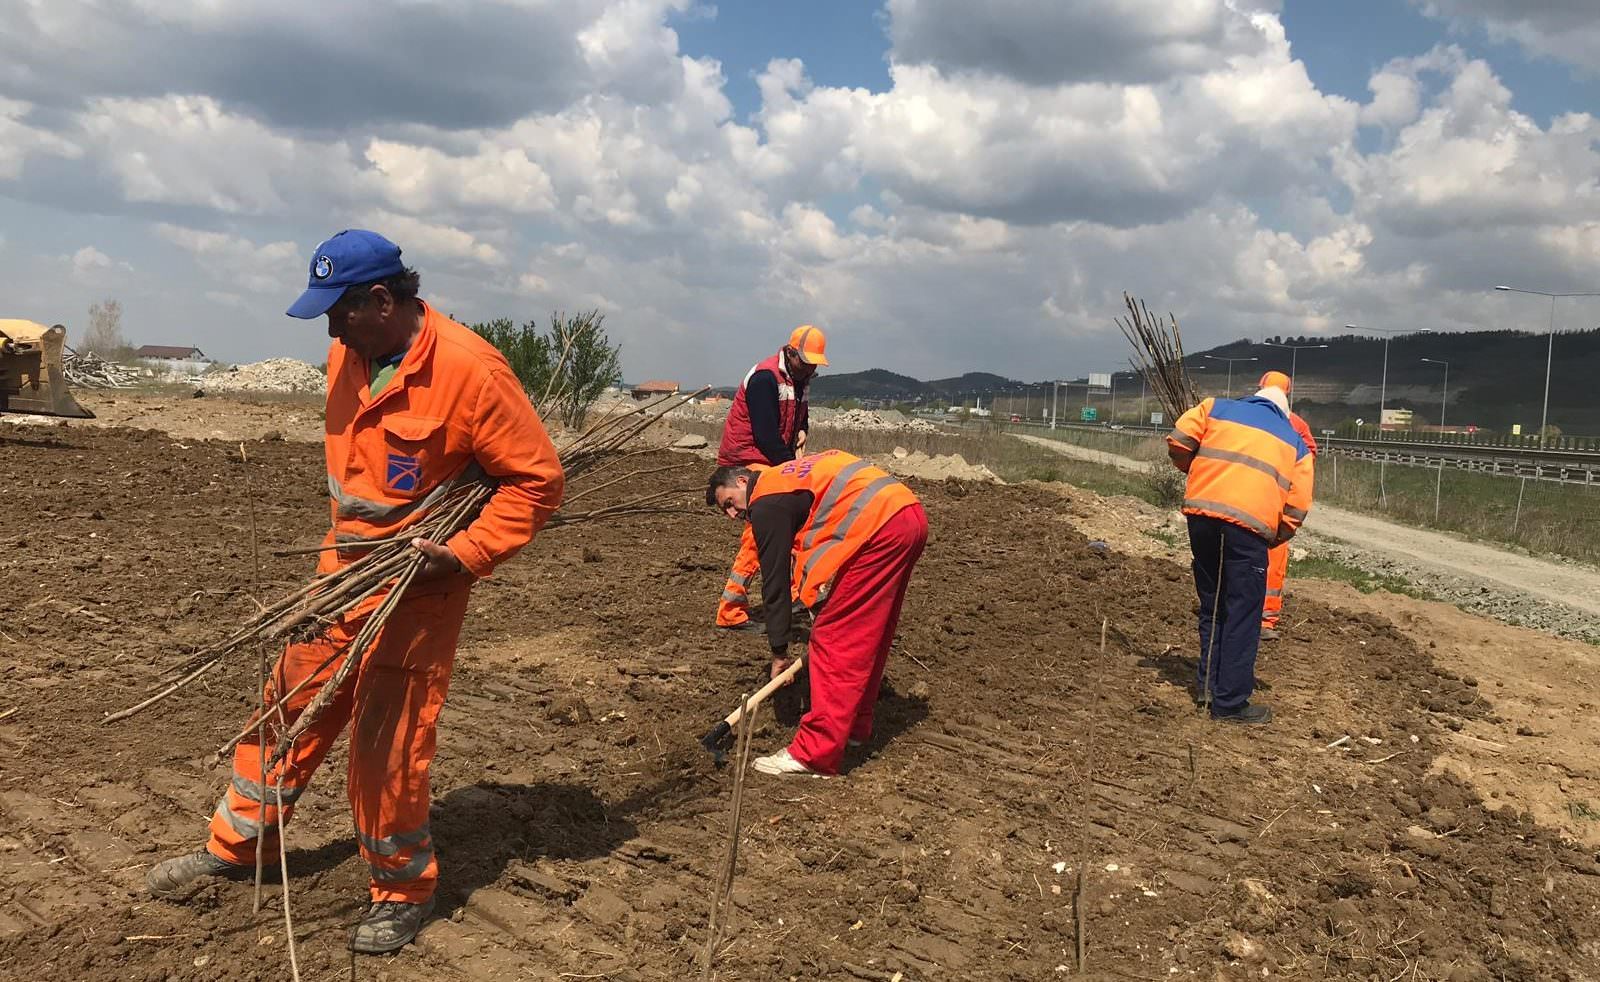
<point x="453" y="413"/>
<point x="1250" y="467"/>
<point x="850" y="501"/>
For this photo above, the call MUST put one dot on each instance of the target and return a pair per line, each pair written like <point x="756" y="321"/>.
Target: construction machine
<point x="32" y="379"/>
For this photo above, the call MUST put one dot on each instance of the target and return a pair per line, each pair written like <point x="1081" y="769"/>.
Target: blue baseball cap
<point x="352" y="257"/>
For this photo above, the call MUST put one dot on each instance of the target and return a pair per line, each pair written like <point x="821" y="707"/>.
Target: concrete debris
<point x="866" y="419"/>
<point x="690" y="441"/>
<point x="272" y="375"/>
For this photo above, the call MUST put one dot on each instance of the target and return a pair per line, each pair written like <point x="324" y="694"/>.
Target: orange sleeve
<point x="1297" y="505"/>
<point x="1304" y="429"/>
<point x="1190" y="428"/>
<point x="510" y="444"/>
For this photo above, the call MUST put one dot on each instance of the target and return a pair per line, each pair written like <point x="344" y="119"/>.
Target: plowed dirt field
<point x="579" y="825"/>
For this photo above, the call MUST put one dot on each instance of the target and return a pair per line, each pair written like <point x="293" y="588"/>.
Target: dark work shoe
<point x="171" y="877"/>
<point x="1269" y="634"/>
<point x="1248" y="714"/>
<point x="742" y="626"/>
<point x="389" y="926"/>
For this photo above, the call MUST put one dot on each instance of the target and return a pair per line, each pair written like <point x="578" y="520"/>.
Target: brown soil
<point x="579" y="824"/>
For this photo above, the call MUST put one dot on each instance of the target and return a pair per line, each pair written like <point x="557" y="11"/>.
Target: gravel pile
<point x="272" y="375"/>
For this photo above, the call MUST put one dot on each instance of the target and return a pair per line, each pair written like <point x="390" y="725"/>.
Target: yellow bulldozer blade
<point x="31" y="376"/>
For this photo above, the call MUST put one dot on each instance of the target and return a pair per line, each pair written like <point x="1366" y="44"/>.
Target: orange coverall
<point x="1278" y="556"/>
<point x="454" y="412"/>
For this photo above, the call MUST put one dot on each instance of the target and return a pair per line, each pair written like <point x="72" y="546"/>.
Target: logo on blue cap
<point x="351" y="258"/>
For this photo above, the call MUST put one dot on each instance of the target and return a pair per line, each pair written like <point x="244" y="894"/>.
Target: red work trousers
<point x="1277" y="572"/>
<point x="394" y="697"/>
<point x="734" y="607"/>
<point x="851" y="637"/>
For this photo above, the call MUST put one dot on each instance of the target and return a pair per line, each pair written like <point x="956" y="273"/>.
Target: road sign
<point x="1099" y="380"/>
<point x="1089" y="414"/>
<point x="1156" y="418"/>
<point x="1327" y="432"/>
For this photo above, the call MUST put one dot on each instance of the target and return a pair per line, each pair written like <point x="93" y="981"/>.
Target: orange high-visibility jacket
<point x="1250" y="466"/>
<point x="453" y="413"/>
<point x="851" y="501"/>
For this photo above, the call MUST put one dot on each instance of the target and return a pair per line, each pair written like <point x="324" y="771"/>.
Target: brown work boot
<point x="389" y="926"/>
<point x="171" y="877"/>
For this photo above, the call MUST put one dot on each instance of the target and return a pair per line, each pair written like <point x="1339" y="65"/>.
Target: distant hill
<point x="1496" y="379"/>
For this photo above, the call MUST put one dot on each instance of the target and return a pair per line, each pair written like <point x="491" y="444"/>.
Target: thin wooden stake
<point x="283" y="870"/>
<point x="723" y="892"/>
<point x="261" y="685"/>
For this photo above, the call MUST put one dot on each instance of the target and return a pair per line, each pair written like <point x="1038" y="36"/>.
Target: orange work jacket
<point x="454" y="412"/>
<point x="851" y="501"/>
<point x="1250" y="467"/>
<point x="1304" y="429"/>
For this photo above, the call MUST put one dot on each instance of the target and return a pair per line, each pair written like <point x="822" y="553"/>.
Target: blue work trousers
<point x="1228" y="643"/>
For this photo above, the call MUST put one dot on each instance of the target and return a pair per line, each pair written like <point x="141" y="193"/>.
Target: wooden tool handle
<point x="782" y="679"/>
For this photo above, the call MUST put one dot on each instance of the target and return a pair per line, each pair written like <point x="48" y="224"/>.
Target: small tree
<point x="104" y="336"/>
<point x="563" y="370"/>
<point x="588" y="363"/>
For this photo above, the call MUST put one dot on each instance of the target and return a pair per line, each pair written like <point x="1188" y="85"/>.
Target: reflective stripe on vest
<point x="1239" y="515"/>
<point x="842" y="530"/>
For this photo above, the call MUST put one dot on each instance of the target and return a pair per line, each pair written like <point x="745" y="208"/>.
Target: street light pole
<point x="1294" y="360"/>
<point x="1550" y="348"/>
<point x="1230" y="362"/>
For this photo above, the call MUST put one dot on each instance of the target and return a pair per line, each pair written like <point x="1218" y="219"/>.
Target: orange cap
<point x="1274" y="380"/>
<point x="810" y="344"/>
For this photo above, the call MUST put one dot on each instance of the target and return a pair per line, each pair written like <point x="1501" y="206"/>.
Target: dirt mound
<point x="272" y="375"/>
<point x="936" y="467"/>
<point x="579" y="826"/>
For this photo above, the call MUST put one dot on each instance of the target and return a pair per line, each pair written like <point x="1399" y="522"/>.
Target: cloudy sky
<point x="944" y="185"/>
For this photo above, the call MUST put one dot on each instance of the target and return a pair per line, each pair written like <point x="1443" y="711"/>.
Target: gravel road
<point x="1558" y="596"/>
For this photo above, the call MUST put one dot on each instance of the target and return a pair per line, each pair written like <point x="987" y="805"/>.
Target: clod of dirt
<point x="1441" y="819"/>
<point x="570" y="711"/>
<point x="1345" y="919"/>
<point x="591" y="555"/>
<point x="1242" y="949"/>
<point x="920" y="690"/>
<point x="904" y="892"/>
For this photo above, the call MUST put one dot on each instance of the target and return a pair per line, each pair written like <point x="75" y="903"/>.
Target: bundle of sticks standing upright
<point x="388" y="566"/>
<point x="1158" y="356"/>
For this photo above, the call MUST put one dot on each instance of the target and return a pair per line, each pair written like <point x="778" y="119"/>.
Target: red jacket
<point x="454" y="412"/>
<point x="739" y="448"/>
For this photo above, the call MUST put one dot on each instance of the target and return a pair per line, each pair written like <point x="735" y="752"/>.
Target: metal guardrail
<point x="1554" y="466"/>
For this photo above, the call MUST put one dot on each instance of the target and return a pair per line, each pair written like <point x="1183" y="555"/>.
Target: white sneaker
<point x="783" y="764"/>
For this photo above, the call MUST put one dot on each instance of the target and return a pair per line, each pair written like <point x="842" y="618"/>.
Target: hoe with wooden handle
<point x="717" y="740"/>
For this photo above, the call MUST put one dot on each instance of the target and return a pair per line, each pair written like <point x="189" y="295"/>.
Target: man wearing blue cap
<point x="417" y="405"/>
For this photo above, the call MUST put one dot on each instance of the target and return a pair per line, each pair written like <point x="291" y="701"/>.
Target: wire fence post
<point x="1438" y="486"/>
<point x="1523" y="486"/>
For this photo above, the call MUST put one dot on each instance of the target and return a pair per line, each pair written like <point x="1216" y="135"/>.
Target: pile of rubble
<point x="866" y="419"/>
<point x="90" y="371"/>
<point x="272" y="375"/>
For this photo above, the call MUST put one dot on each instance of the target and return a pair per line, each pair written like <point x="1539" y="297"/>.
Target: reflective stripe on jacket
<point x="851" y="500"/>
<point x="1250" y="467"/>
<point x="453" y="413"/>
<point x="738" y="447"/>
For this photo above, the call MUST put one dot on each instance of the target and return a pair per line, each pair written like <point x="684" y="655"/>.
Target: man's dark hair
<point x="403" y="286"/>
<point x="724" y="477"/>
